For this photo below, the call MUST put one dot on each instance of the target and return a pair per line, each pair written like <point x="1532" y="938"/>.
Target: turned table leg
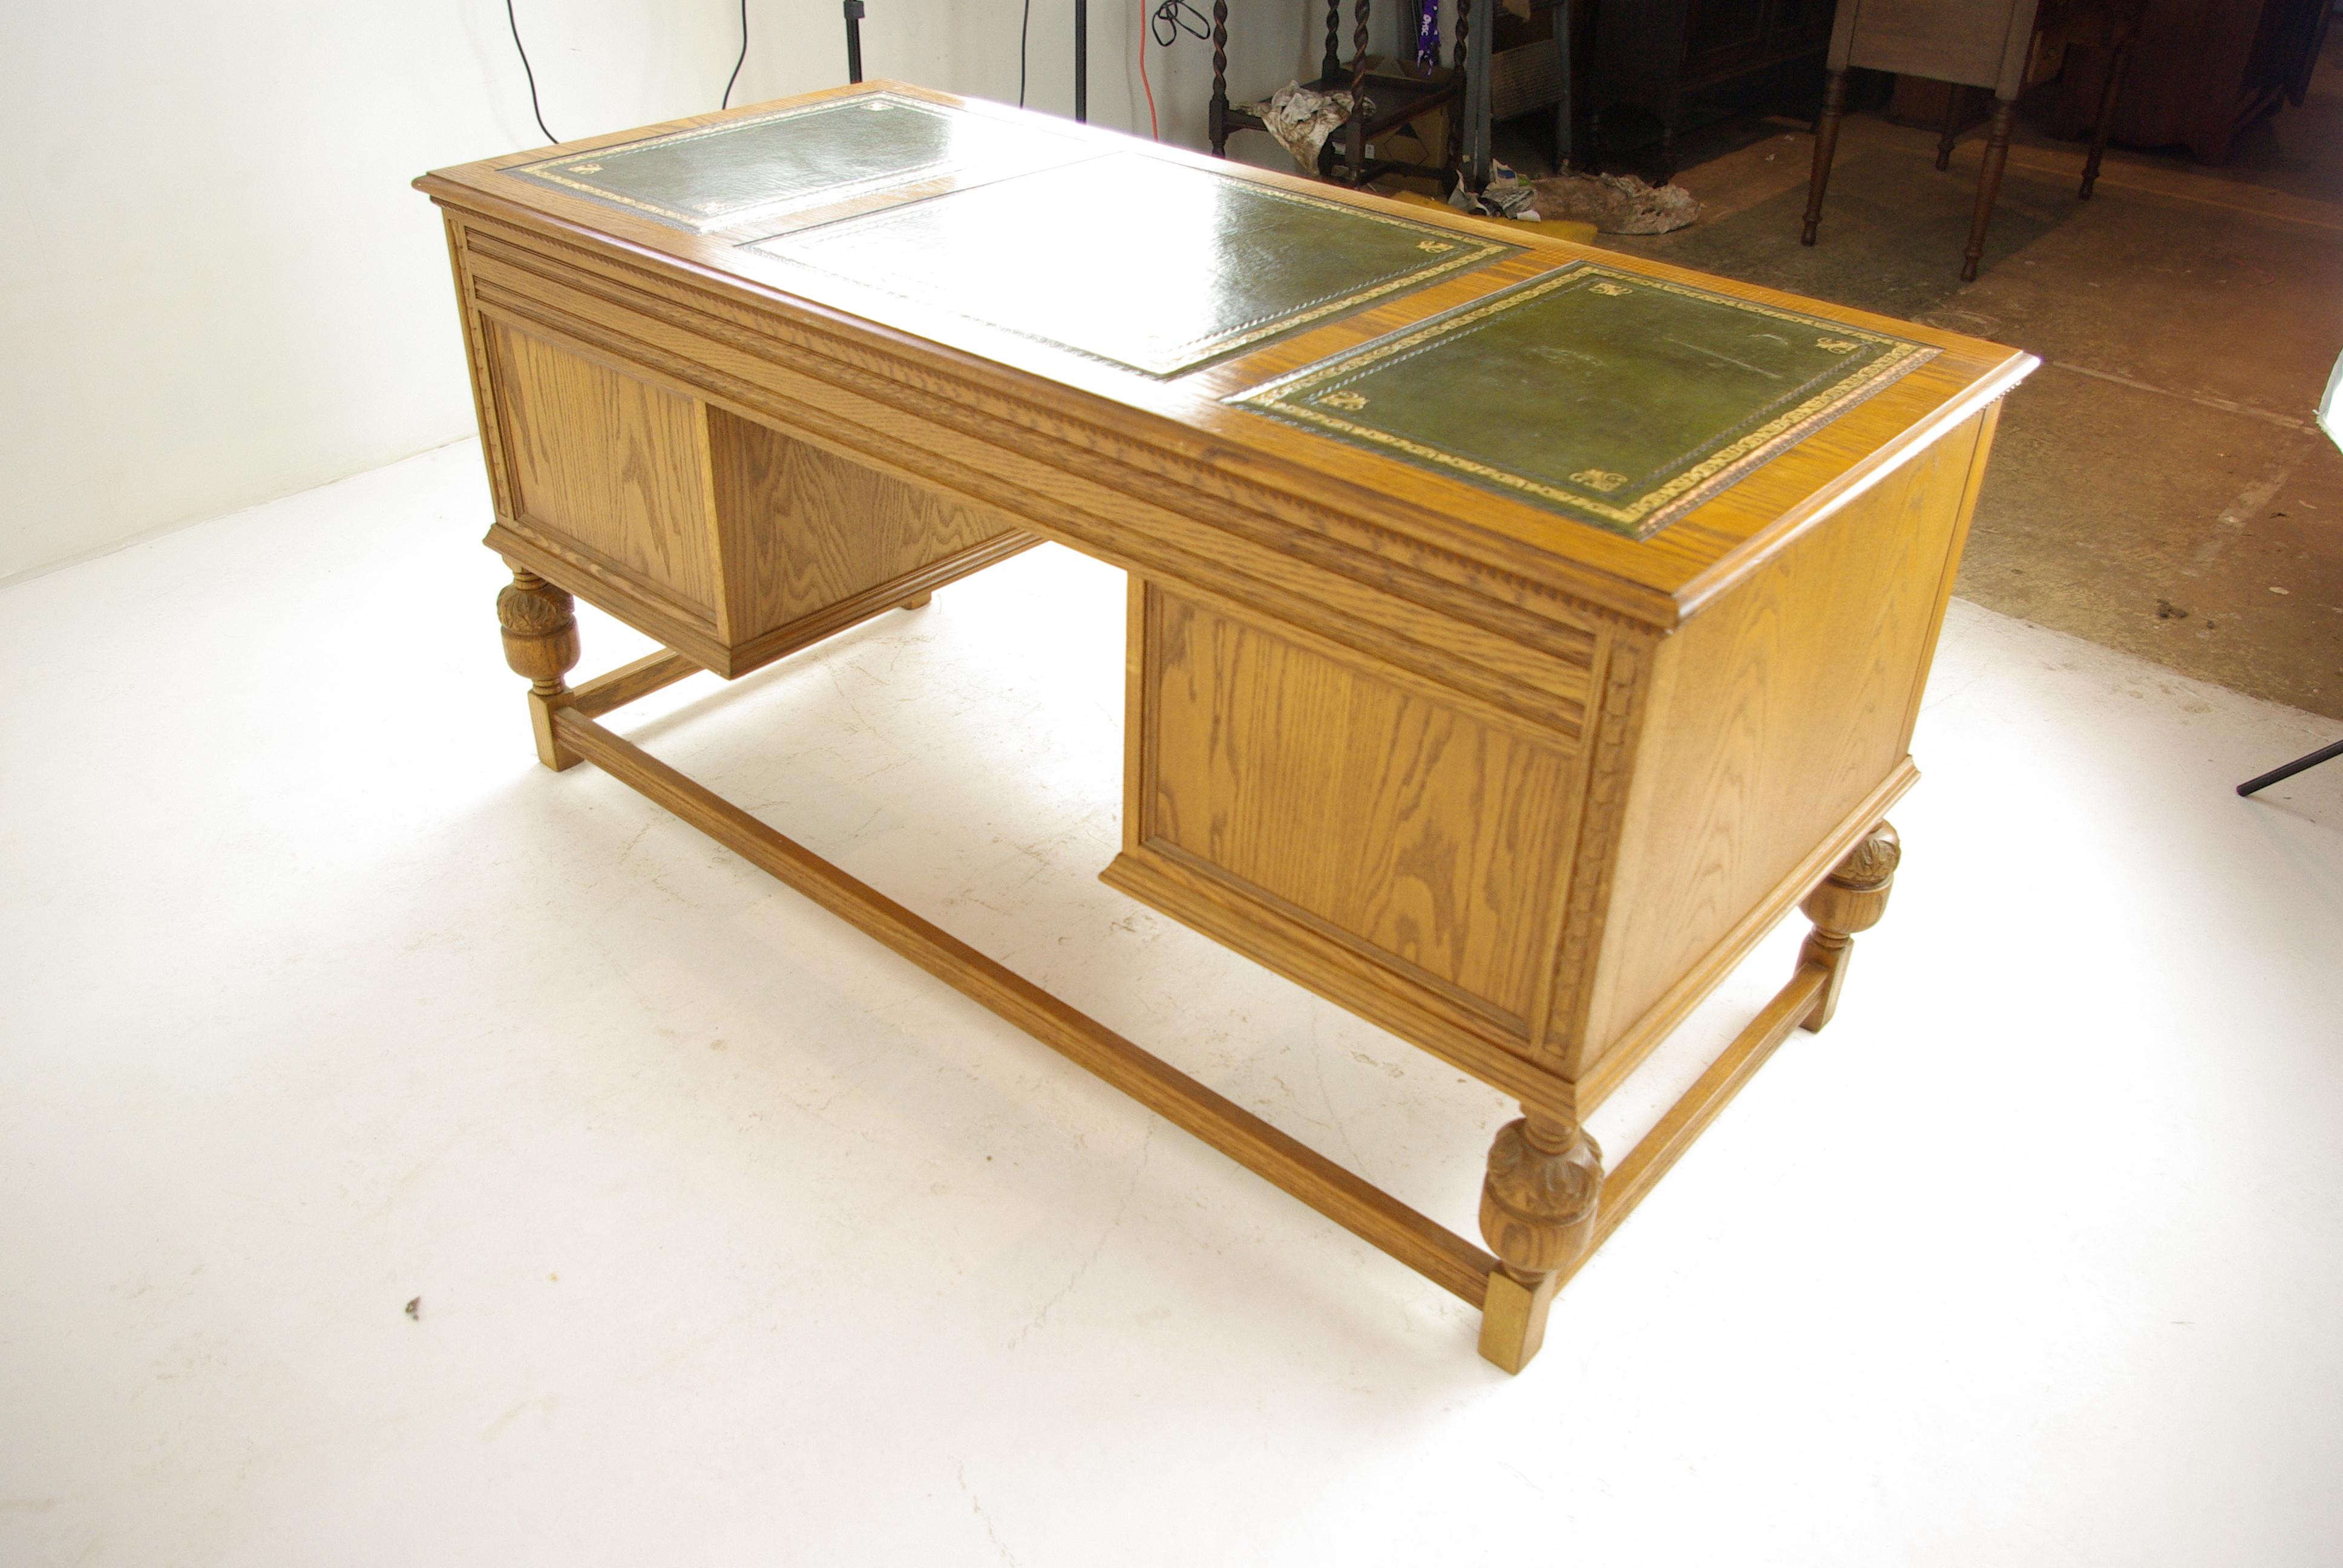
<point x="2107" y="120"/>
<point x="540" y="627"/>
<point x="1996" y="155"/>
<point x="1825" y="147"/>
<point x="1537" y="1214"/>
<point x="1850" y="900"/>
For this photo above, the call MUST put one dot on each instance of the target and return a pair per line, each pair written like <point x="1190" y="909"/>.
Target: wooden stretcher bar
<point x="1423" y="1243"/>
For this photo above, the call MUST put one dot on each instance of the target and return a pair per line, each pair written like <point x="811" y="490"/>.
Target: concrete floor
<point x="734" y="1238"/>
<point x="2158" y="486"/>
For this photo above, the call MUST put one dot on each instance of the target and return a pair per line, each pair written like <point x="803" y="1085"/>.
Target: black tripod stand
<point x="2324" y="754"/>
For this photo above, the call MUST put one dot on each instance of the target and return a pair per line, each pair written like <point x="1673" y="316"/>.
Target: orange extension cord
<point x="1143" y="85"/>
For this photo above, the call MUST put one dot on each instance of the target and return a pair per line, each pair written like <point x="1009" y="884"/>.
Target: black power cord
<point x="1174" y="17"/>
<point x="538" y="114"/>
<point x="514" y="23"/>
<point x="1024" y="31"/>
<point x="742" y="61"/>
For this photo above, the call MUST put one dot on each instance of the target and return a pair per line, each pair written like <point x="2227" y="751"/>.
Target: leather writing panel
<point x="1151" y="265"/>
<point x="1608" y="396"/>
<point x="723" y="176"/>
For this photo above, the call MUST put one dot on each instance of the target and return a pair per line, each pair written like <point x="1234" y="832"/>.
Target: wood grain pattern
<point x="607" y="463"/>
<point x="1427" y="833"/>
<point x="1772" y="717"/>
<point x="804" y="530"/>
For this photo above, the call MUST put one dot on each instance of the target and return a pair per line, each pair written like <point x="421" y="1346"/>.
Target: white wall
<point x="217" y="288"/>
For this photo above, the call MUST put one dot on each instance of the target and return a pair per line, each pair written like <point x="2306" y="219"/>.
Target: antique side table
<point x="1516" y="632"/>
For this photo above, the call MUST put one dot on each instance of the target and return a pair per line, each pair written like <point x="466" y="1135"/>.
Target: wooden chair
<point x="1396" y="100"/>
<point x="1968" y="44"/>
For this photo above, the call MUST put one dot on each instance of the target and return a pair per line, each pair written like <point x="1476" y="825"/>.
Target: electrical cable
<point x="1024" y="30"/>
<point x="1174" y="17"/>
<point x="514" y="23"/>
<point x="742" y="61"/>
<point x="1144" y="85"/>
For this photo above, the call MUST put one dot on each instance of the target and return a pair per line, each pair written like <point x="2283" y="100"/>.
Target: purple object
<point x="1427" y="32"/>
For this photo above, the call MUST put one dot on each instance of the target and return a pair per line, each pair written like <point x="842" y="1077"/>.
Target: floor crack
<point x="1147" y="1144"/>
<point x="985" y="1519"/>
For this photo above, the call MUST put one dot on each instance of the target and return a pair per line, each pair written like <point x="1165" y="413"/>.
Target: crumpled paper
<point x="1507" y="194"/>
<point x="1616" y="204"/>
<point x="1302" y="118"/>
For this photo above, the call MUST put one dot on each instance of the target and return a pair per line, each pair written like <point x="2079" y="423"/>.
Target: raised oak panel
<point x="1422" y="831"/>
<point x="608" y="464"/>
<point x="1772" y="717"/>
<point x="805" y="530"/>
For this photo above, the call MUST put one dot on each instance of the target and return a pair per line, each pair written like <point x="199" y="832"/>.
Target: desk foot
<point x="540" y="627"/>
<point x="1538" y="1210"/>
<point x="1850" y="900"/>
<point x="919" y="603"/>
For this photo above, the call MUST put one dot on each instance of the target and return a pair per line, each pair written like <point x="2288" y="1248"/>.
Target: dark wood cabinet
<point x="2201" y="71"/>
<point x="1654" y="55"/>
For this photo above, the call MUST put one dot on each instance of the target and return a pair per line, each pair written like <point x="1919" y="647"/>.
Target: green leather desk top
<point x="1149" y="264"/>
<point x="729" y="175"/>
<point x="1607" y="396"/>
<point x="1514" y="394"/>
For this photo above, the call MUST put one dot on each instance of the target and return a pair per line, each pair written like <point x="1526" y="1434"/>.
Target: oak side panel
<point x="1773" y="717"/>
<point x="607" y="463"/>
<point x="804" y="530"/>
<point x="1422" y="831"/>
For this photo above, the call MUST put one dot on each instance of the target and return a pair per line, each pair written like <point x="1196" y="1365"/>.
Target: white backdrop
<point x="217" y="287"/>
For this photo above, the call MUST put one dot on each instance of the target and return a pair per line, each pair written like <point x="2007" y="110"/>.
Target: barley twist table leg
<point x="1537" y="1214"/>
<point x="540" y="627"/>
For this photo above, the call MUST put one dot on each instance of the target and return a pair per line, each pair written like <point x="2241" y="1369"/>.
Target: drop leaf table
<point x="1518" y="632"/>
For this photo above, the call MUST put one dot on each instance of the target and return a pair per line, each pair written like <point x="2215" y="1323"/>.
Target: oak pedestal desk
<point x="1518" y="632"/>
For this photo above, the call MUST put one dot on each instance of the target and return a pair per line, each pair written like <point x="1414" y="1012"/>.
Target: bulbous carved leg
<point x="1537" y="1213"/>
<point x="540" y="627"/>
<point x="1850" y="900"/>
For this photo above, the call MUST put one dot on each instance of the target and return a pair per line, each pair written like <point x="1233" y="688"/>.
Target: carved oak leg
<point x="1826" y="145"/>
<point x="1537" y="1213"/>
<point x="540" y="630"/>
<point x="1996" y="155"/>
<point x="1850" y="900"/>
<point x="2107" y="118"/>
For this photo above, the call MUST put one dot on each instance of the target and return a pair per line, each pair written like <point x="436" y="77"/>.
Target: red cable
<point x="1152" y="130"/>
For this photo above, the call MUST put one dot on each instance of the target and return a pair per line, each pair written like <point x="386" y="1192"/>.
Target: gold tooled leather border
<point x="1645" y="514"/>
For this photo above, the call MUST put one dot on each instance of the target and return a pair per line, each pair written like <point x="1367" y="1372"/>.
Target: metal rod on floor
<point x="2324" y="754"/>
<point x="1083" y="60"/>
<point x="854" y="40"/>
